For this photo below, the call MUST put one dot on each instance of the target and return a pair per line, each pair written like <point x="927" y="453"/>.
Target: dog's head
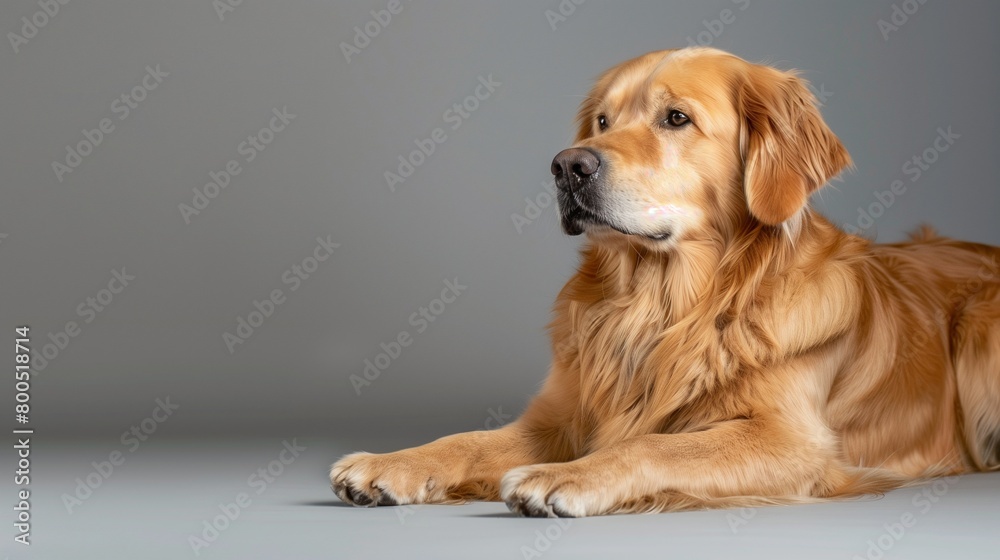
<point x="692" y="142"/>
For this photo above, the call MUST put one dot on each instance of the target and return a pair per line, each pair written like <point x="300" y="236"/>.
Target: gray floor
<point x="151" y="504"/>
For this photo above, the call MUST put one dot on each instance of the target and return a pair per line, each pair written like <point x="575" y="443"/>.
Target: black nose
<point x="575" y="166"/>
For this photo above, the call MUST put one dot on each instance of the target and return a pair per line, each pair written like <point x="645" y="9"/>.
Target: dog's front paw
<point x="368" y="480"/>
<point x="552" y="490"/>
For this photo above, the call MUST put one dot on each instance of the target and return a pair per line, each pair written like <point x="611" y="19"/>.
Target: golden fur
<point x="733" y="347"/>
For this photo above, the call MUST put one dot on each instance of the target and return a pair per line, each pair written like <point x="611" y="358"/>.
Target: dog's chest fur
<point x="638" y="369"/>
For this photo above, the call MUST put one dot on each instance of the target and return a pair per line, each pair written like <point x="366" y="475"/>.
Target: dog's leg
<point x="780" y="447"/>
<point x="453" y="469"/>
<point x="976" y="340"/>
<point x="747" y="457"/>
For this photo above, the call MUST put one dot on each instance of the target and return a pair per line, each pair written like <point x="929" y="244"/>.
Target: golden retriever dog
<point x="722" y="344"/>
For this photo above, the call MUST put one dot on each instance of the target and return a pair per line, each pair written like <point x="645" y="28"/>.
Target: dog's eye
<point x="676" y="118"/>
<point x="602" y="122"/>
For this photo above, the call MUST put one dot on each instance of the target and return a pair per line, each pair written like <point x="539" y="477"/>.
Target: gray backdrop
<point x="359" y="103"/>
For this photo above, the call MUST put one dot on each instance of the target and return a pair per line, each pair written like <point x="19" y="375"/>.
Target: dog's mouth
<point x="579" y="215"/>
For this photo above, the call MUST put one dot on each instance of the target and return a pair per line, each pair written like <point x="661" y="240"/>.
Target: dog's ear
<point x="788" y="151"/>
